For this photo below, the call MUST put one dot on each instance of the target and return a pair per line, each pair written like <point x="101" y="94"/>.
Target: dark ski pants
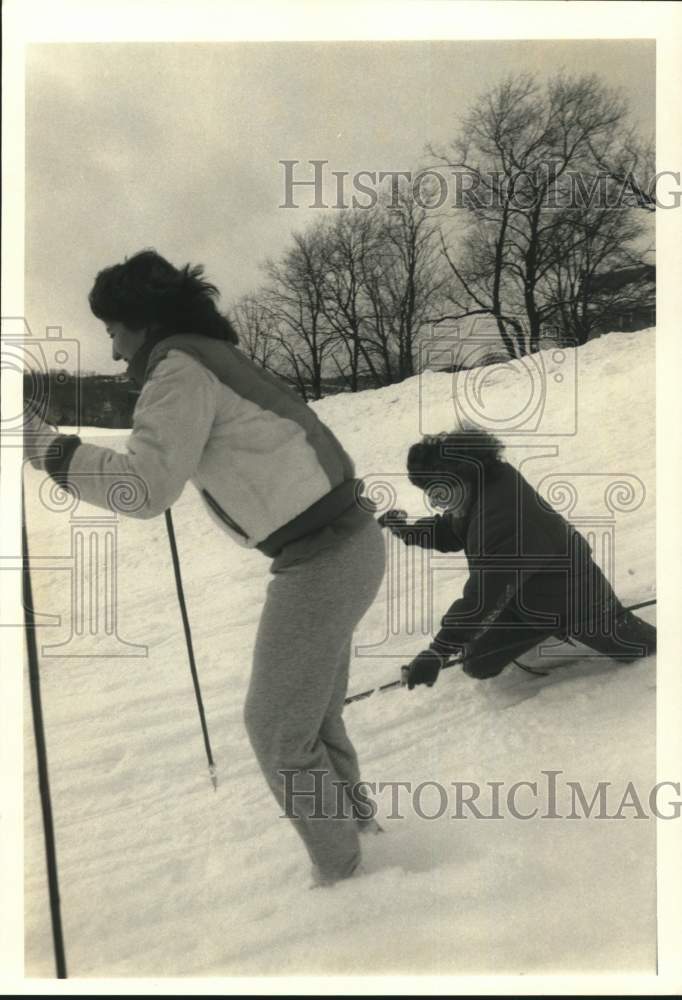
<point x="298" y="685"/>
<point x="585" y="609"/>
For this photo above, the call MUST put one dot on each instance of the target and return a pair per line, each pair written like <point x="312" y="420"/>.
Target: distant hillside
<point x="88" y="400"/>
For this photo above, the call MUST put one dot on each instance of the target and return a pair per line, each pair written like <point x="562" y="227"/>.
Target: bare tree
<point x="583" y="289"/>
<point x="404" y="282"/>
<point x="258" y="333"/>
<point x="348" y="299"/>
<point x="630" y="164"/>
<point x="294" y="299"/>
<point x="350" y="244"/>
<point x="518" y="147"/>
<point x="478" y="271"/>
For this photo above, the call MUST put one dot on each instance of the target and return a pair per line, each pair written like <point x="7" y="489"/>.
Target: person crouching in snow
<point x="532" y="575"/>
<point x="272" y="476"/>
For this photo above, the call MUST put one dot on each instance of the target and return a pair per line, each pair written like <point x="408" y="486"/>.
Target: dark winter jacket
<point x="514" y="543"/>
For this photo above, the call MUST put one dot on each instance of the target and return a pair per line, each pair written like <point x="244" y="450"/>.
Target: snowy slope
<point x="160" y="876"/>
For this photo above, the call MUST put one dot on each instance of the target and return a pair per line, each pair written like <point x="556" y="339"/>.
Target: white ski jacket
<point x="269" y="470"/>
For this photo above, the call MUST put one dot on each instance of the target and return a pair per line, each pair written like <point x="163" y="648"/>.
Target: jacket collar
<point x="209" y="351"/>
<point x="137" y="367"/>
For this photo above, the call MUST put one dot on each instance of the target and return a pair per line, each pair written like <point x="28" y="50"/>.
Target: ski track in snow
<point x="160" y="876"/>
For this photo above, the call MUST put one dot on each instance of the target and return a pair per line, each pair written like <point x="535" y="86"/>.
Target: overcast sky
<point x="177" y="146"/>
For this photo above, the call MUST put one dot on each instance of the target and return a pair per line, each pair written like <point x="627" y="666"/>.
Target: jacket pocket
<point x="218" y="510"/>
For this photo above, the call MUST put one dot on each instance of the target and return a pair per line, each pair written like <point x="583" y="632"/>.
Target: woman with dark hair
<point x="532" y="575"/>
<point x="275" y="478"/>
<point x="147" y="291"/>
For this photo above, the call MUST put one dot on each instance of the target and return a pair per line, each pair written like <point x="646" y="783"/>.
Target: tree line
<point x="77" y="399"/>
<point x="557" y="200"/>
<point x="549" y="234"/>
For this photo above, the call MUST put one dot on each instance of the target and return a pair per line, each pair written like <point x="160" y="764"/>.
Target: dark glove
<point x="393" y="516"/>
<point x="424" y="669"/>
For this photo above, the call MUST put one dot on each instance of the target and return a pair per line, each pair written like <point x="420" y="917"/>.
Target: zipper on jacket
<point x="217" y="509"/>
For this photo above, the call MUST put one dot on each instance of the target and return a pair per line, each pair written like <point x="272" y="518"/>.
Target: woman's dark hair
<point x="466" y="454"/>
<point x="147" y="290"/>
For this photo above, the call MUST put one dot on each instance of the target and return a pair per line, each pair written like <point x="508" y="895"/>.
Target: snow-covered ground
<point x="161" y="876"/>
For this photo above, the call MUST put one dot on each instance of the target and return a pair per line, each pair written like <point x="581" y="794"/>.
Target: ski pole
<point x="642" y="604"/>
<point x="190" y="650"/>
<point x="394" y="684"/>
<point x="41" y="752"/>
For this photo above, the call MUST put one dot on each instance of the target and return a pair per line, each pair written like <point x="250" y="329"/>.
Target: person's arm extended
<point x="171" y="425"/>
<point x="494" y="575"/>
<point x="434" y="532"/>
<point x="484" y="597"/>
<point x="486" y="594"/>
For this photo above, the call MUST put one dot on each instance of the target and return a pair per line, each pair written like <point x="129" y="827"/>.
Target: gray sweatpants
<point x="318" y="593"/>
